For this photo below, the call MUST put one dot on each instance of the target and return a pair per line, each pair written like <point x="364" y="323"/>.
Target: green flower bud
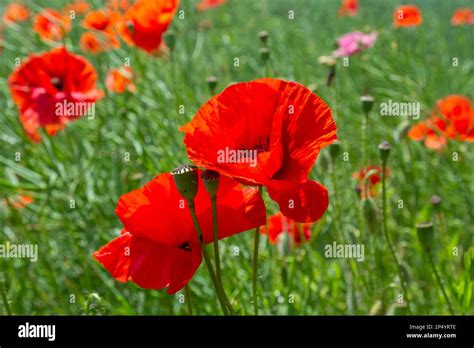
<point x="170" y="40"/>
<point x="263" y="36"/>
<point x="265" y="54"/>
<point x="186" y="180"/>
<point x="384" y="151"/>
<point x="212" y="83"/>
<point x="425" y="235"/>
<point x="211" y="181"/>
<point x="367" y="103"/>
<point x="334" y="149"/>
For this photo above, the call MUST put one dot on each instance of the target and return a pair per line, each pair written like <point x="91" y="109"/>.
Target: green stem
<point x="438" y="279"/>
<point x="365" y="139"/>
<point x="387" y="237"/>
<point x="216" y="252"/>
<point x="207" y="258"/>
<point x="255" y="263"/>
<point x="188" y="299"/>
<point x="4" y="298"/>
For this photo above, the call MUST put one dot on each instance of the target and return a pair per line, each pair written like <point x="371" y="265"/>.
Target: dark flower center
<point x="57" y="83"/>
<point x="185" y="246"/>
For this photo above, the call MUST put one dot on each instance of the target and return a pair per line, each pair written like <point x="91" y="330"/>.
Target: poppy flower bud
<point x="370" y="215"/>
<point x="265" y="54"/>
<point x="186" y="180"/>
<point x="425" y="235"/>
<point x="285" y="244"/>
<point x="170" y="40"/>
<point x="212" y="83"/>
<point x="211" y="181"/>
<point x="263" y="36"/>
<point x="384" y="151"/>
<point x="367" y="103"/>
<point x="334" y="149"/>
<point x="401" y="131"/>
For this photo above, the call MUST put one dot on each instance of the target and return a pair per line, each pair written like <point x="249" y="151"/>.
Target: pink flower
<point x="354" y="42"/>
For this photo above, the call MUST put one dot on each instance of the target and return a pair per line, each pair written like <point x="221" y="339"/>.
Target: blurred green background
<point x="87" y="163"/>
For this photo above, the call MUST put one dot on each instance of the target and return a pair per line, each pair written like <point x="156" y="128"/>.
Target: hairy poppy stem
<point x="4" y="298"/>
<point x="255" y="263"/>
<point x="207" y="259"/>
<point x="188" y="300"/>
<point x="438" y="279"/>
<point x="387" y="236"/>
<point x="216" y="252"/>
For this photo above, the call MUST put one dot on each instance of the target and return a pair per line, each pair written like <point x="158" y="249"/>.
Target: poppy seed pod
<point x="367" y="103"/>
<point x="265" y="54"/>
<point x="212" y="83"/>
<point x="170" y="40"/>
<point x="384" y="151"/>
<point x="186" y="180"/>
<point x="211" y="181"/>
<point x="263" y="36"/>
<point x="425" y="235"/>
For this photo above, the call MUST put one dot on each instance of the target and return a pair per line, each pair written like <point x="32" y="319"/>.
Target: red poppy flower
<point x="51" y="25"/>
<point x="349" y="8"/>
<point x="266" y="132"/>
<point x="15" y="13"/>
<point x="44" y="83"/>
<point x="78" y="6"/>
<point x="120" y="80"/>
<point x="407" y="16"/>
<point x="462" y="16"/>
<point x="208" y="4"/>
<point x="102" y="20"/>
<point x="145" y="22"/>
<point x="278" y="224"/>
<point x="159" y="246"/>
<point x="374" y="178"/>
<point x="453" y="119"/>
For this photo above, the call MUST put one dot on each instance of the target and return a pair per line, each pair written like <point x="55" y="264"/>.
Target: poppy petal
<point x="148" y="264"/>
<point x="302" y="202"/>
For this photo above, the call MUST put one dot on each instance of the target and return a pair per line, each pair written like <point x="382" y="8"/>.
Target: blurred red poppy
<point x="44" y="83"/>
<point x="159" y="246"/>
<point x="120" y="80"/>
<point x="279" y="224"/>
<point x="349" y="8"/>
<point x="367" y="186"/>
<point x="15" y="12"/>
<point x="453" y="119"/>
<point x="78" y="6"/>
<point x="145" y="22"/>
<point x="21" y="201"/>
<point x="462" y="16"/>
<point x="51" y="25"/>
<point x="407" y="16"/>
<point x="118" y="5"/>
<point x="208" y="4"/>
<point x="266" y="132"/>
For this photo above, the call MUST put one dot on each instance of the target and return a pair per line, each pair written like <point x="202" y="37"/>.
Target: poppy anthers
<point x="159" y="246"/>
<point x="266" y="132"/>
<point x="48" y="80"/>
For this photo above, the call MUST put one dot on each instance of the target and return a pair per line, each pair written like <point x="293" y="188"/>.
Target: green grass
<point x="85" y="163"/>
